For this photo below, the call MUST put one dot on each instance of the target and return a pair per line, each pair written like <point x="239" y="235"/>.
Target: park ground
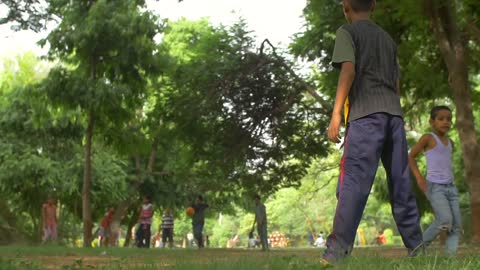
<point x="54" y="257"/>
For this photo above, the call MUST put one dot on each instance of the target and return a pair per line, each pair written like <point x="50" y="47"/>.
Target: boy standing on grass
<point x="198" y="220"/>
<point x="439" y="187"/>
<point x="261" y="221"/>
<point x="369" y="77"/>
<point x="104" y="232"/>
<point x="167" y="228"/>
<point x="145" y="221"/>
<point x="49" y="220"/>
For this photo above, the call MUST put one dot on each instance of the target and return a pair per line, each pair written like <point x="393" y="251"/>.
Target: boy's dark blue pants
<point x="370" y="139"/>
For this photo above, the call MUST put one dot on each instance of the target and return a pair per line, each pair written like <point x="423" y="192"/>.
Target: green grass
<point x="54" y="257"/>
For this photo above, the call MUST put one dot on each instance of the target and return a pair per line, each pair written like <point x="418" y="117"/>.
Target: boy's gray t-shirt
<point x="374" y="54"/>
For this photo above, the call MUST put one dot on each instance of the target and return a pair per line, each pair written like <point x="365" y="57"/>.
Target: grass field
<point x="52" y="257"/>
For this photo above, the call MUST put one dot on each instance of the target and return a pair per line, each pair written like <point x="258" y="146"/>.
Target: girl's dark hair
<point x="361" y="5"/>
<point x="436" y="109"/>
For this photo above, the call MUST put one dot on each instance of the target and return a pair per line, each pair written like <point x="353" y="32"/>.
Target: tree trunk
<point x="466" y="130"/>
<point x="37" y="231"/>
<point x="131" y="224"/>
<point x="120" y="212"/>
<point x="123" y="206"/>
<point x="453" y="46"/>
<point x="87" y="177"/>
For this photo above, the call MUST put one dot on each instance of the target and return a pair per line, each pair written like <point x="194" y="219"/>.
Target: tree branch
<point x="310" y="89"/>
<point x="153" y="155"/>
<point x="446" y="47"/>
<point x="474" y="31"/>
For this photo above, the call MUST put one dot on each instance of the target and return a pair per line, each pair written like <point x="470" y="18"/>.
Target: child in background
<point x="198" y="220"/>
<point x="145" y="221"/>
<point x="49" y="220"/>
<point x="167" y="228"/>
<point x="104" y="232"/>
<point x="261" y="221"/>
<point x="439" y="187"/>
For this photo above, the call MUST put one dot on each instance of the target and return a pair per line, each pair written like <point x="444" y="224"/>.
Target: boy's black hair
<point x="436" y="109"/>
<point x="200" y="197"/>
<point x="361" y="5"/>
<point x="256" y="197"/>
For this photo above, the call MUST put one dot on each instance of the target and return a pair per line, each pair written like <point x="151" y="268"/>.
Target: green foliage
<point x="241" y="111"/>
<point x="40" y="154"/>
<point x="110" y="46"/>
<point x="26" y="14"/>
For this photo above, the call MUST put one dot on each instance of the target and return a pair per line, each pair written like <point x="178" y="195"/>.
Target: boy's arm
<point x="43" y="216"/>
<point x="417" y="149"/>
<point x="399" y="93"/>
<point x="397" y="75"/>
<point x="262" y="215"/>
<point x="140" y="215"/>
<point x="347" y="75"/>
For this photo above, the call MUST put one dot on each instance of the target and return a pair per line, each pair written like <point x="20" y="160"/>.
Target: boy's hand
<point x="422" y="184"/>
<point x="334" y="127"/>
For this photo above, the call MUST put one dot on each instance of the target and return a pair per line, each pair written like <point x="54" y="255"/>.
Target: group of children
<point x="142" y="236"/>
<point x="143" y="232"/>
<point x="107" y="237"/>
<point x="368" y="94"/>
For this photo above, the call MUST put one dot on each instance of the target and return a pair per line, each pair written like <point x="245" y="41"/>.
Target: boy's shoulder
<point x="427" y="137"/>
<point x="344" y="29"/>
<point x="428" y="141"/>
<point x="364" y="27"/>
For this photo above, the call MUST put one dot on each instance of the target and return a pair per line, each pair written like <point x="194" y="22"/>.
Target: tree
<point x="36" y="145"/>
<point x="243" y="112"/>
<point x="209" y="118"/>
<point x="28" y="14"/>
<point x="40" y="154"/>
<point x="110" y="50"/>
<point x="455" y="40"/>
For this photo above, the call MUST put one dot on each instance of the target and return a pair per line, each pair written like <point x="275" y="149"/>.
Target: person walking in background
<point x="104" y="232"/>
<point x="198" y="220"/>
<point x="145" y="221"/>
<point x="439" y="187"/>
<point x="167" y="228"/>
<point x="261" y="221"/>
<point x="49" y="220"/>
